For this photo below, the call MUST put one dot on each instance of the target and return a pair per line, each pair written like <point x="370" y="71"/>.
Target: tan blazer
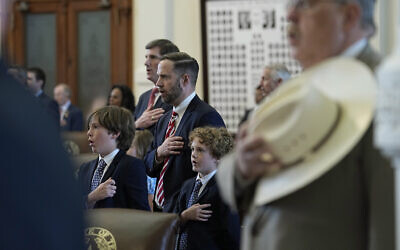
<point x="351" y="207"/>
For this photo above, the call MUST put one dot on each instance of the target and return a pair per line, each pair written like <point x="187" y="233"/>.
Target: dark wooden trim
<point x="74" y="7"/>
<point x="62" y="49"/>
<point x="121" y="42"/>
<point x="121" y="45"/>
<point x="204" y="49"/>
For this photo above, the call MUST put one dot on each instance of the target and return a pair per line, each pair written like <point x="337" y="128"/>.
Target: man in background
<point x="71" y="118"/>
<point x="150" y="106"/>
<point x="273" y="76"/>
<point x="36" y="79"/>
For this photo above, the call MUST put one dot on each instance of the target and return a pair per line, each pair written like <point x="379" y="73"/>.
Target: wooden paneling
<point x="67" y="58"/>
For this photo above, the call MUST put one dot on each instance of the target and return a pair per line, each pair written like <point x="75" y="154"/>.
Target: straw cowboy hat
<point x="312" y="122"/>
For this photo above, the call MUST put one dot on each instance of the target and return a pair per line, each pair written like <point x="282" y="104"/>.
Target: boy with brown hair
<point x="114" y="179"/>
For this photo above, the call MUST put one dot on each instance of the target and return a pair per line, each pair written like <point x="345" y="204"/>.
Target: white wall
<point x="388" y="22"/>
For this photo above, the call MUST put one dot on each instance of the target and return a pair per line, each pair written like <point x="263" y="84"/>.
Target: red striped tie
<point x="152" y="98"/>
<point x="160" y="186"/>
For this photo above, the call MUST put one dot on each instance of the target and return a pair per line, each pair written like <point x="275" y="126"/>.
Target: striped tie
<point x="152" y="98"/>
<point x="159" y="199"/>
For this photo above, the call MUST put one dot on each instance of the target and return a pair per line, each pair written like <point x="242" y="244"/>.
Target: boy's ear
<point x="115" y="135"/>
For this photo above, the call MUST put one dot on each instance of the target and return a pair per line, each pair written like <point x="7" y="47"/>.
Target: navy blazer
<point x="142" y="106"/>
<point x="197" y="114"/>
<point x="51" y="107"/>
<point x="221" y="231"/>
<point x="130" y="178"/>
<point x="73" y="118"/>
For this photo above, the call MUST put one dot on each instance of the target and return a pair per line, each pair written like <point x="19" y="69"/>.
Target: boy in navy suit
<point x="207" y="222"/>
<point x="114" y="179"/>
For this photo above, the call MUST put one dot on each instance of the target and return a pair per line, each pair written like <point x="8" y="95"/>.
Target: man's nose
<point x="158" y="83"/>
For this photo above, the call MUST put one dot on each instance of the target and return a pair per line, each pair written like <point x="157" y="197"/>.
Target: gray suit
<point x="350" y="207"/>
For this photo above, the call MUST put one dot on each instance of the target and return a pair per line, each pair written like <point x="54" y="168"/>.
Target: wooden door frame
<point x="16" y="45"/>
<point x="121" y="58"/>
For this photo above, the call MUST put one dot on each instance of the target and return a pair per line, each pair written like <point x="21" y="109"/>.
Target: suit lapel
<point x="189" y="192"/>
<point x="158" y="103"/>
<point x="210" y="184"/>
<point x="164" y="126"/>
<point x="90" y="172"/>
<point x="188" y="113"/>
<point x="112" y="168"/>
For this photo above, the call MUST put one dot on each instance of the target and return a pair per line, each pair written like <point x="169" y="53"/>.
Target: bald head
<point x="62" y="93"/>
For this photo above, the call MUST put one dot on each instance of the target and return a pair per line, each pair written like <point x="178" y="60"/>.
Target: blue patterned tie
<point x="192" y="199"/>
<point x="98" y="174"/>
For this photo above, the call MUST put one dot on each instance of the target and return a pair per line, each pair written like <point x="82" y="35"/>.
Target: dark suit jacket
<point x="130" y="178"/>
<point x="142" y="106"/>
<point x="40" y="204"/>
<point x="73" y="118"/>
<point x="197" y="114"/>
<point x="51" y="106"/>
<point x="349" y="207"/>
<point x="221" y="231"/>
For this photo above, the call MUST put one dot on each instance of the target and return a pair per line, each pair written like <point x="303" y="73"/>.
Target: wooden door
<point x="86" y="44"/>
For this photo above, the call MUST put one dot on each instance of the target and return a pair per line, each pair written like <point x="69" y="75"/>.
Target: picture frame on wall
<point x="239" y="39"/>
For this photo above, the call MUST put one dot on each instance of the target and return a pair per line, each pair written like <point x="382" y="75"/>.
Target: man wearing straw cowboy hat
<point x="304" y="171"/>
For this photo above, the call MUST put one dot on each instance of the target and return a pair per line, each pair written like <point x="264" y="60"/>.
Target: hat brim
<point x="352" y="85"/>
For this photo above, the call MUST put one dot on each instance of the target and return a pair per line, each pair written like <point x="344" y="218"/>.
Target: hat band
<point x="321" y="142"/>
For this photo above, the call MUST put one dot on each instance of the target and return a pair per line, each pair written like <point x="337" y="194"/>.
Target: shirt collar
<point x="66" y="105"/>
<point x="355" y="49"/>
<point x="180" y="109"/>
<point x="205" y="179"/>
<point x="110" y="157"/>
<point x="39" y="93"/>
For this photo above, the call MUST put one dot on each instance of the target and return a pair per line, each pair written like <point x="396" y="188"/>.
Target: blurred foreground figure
<point x="351" y="205"/>
<point x="387" y="118"/>
<point x="40" y="207"/>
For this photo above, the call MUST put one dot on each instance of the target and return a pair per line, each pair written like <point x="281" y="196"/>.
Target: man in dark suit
<point x="71" y="118"/>
<point x="357" y="194"/>
<point x="36" y="79"/>
<point x="115" y="179"/>
<point x="150" y="106"/>
<point x="169" y="158"/>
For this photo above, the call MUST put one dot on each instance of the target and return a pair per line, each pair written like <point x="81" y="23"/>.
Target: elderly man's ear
<point x="352" y="16"/>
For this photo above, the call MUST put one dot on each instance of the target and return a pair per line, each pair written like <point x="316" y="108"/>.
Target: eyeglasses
<point x="307" y="4"/>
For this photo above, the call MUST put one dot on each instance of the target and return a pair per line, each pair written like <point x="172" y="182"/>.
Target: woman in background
<point x="121" y="96"/>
